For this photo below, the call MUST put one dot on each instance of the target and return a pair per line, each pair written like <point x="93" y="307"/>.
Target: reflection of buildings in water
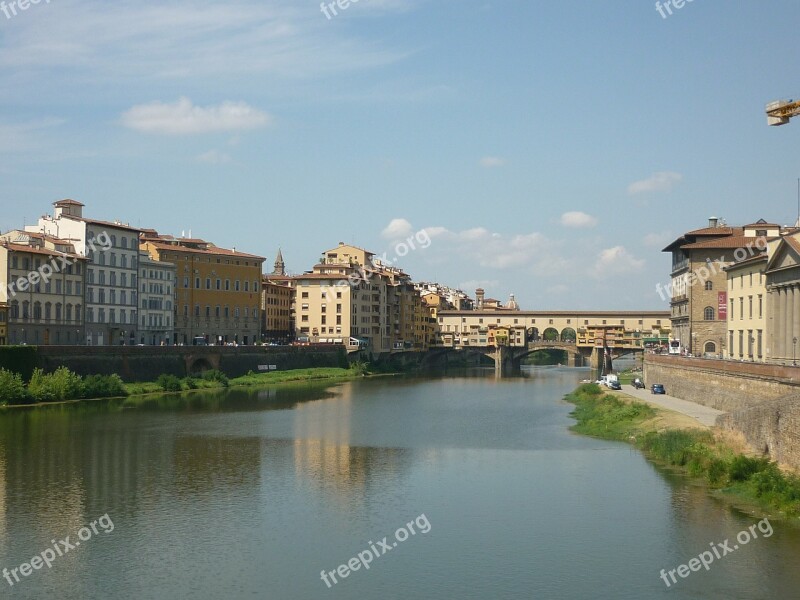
<point x="204" y="464"/>
<point x="324" y="456"/>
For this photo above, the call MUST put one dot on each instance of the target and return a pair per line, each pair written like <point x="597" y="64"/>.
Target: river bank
<point x="680" y="442"/>
<point x="212" y="380"/>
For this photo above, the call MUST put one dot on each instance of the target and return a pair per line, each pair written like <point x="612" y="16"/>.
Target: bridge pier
<point x="503" y="361"/>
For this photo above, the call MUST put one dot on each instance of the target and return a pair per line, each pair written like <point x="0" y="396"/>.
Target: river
<point x="253" y="493"/>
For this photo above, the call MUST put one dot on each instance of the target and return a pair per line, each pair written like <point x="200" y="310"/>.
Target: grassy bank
<point x="64" y="385"/>
<point x="698" y="452"/>
<point x="217" y="380"/>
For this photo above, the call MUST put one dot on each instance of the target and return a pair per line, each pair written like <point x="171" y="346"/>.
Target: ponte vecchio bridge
<point x="508" y="336"/>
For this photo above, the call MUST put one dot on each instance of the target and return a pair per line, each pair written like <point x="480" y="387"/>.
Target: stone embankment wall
<point x="722" y="384"/>
<point x="146" y="363"/>
<point x="762" y="402"/>
<point x="771" y="428"/>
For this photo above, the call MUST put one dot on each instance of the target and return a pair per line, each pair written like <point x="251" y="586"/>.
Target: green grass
<point x="217" y="381"/>
<point x="606" y="416"/>
<point x="698" y="452"/>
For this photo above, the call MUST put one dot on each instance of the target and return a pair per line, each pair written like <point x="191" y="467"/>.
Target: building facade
<point x="748" y="309"/>
<point x="783" y="300"/>
<point x="43" y="287"/>
<point x="698" y="290"/>
<point x="276" y="305"/>
<point x="218" y="290"/>
<point x="112" y="250"/>
<point x="3" y="323"/>
<point x="156" y="301"/>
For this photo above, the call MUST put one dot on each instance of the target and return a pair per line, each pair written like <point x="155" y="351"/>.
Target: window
<point x="760" y="310"/>
<point x="208" y="283"/>
<point x="709" y="286"/>
<point x="708" y="313"/>
<point x="208" y="312"/>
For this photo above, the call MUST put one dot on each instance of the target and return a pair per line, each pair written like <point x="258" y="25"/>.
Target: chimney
<point x="712" y="222"/>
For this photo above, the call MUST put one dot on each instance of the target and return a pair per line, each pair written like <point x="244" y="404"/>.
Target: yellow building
<point x="3" y="322"/>
<point x="218" y="290"/>
<point x="747" y="309"/>
<point x="276" y="304"/>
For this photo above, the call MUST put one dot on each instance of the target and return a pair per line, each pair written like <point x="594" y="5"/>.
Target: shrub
<point x="189" y="383"/>
<point x="215" y="375"/>
<point x="12" y="389"/>
<point x="63" y="384"/>
<point x="103" y="386"/>
<point x="169" y="383"/>
<point x="743" y="468"/>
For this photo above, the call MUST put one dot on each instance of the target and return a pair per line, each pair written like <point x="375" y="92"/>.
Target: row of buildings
<point x="735" y="292"/>
<point x="72" y="280"/>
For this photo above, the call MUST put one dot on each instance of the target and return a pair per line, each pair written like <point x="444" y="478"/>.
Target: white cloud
<point x="617" y="260"/>
<point x="185" y="39"/>
<point x="213" y="157"/>
<point x="492" y="162"/>
<point x="578" y="219"/>
<point x="662" y="181"/>
<point x="397" y="229"/>
<point x="184" y="118"/>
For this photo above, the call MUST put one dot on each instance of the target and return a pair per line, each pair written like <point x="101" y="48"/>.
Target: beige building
<point x="349" y="297"/>
<point x="3" y="323"/>
<point x="783" y="300"/>
<point x="748" y="312"/>
<point x="218" y="297"/>
<point x="698" y="291"/>
<point x="42" y="281"/>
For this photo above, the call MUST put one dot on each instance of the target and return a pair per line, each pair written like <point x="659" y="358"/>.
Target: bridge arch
<point x="550" y="334"/>
<point x="568" y="334"/>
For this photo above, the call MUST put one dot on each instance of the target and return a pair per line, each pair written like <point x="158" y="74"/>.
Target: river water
<point x="252" y="493"/>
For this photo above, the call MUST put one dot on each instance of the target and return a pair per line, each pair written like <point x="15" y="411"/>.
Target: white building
<point x="111" y="275"/>
<point x="156" y="301"/>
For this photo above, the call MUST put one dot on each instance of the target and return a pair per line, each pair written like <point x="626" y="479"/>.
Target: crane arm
<point x="779" y="113"/>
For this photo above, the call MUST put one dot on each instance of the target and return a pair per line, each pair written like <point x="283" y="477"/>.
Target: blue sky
<point x="550" y="149"/>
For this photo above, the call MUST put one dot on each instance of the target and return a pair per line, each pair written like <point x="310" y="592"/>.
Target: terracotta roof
<point x="716" y="231"/>
<point x="793" y="242"/>
<point x="761" y="257"/>
<point x="735" y="241"/>
<point x="212" y="250"/>
<point x="103" y="223"/>
<point x="761" y="223"/>
<point x="44" y="251"/>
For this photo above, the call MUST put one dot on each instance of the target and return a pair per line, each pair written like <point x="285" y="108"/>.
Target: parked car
<point x="638" y="384"/>
<point x="657" y="388"/>
<point x="614" y="385"/>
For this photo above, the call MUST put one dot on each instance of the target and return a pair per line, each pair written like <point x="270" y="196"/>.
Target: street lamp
<point x="794" y="354"/>
<point x="694" y="343"/>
